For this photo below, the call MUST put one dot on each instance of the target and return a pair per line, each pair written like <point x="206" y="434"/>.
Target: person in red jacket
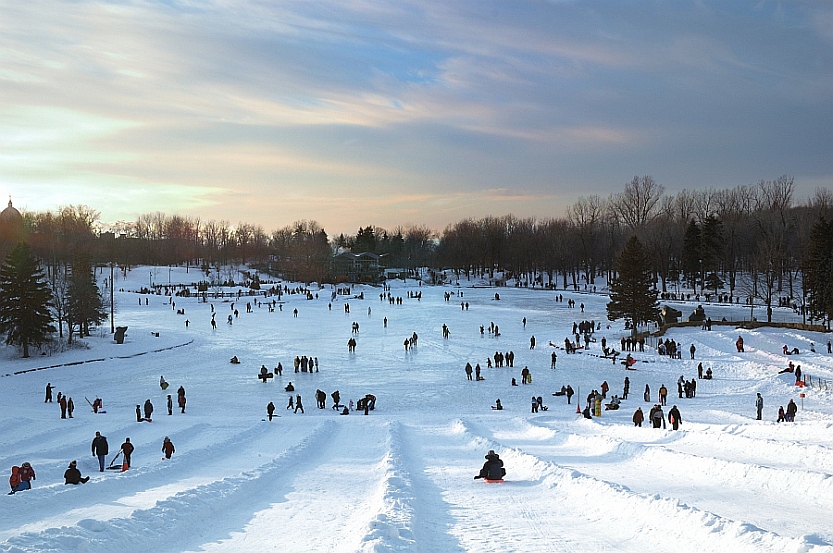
<point x="168" y="447"/>
<point x="21" y="478"/>
<point x="127" y="451"/>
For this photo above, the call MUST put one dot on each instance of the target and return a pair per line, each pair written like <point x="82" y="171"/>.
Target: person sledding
<point x="492" y="470"/>
<point x="73" y="476"/>
<point x="21" y="478"/>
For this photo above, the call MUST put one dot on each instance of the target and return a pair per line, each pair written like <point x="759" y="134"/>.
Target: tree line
<point x="701" y="239"/>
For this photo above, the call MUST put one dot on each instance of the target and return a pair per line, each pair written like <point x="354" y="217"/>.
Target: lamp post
<point x="702" y="280"/>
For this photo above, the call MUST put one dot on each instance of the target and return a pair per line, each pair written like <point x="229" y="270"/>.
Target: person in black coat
<point x="73" y="476"/>
<point x="674" y="417"/>
<point x="100" y="449"/>
<point x="148" y="409"/>
<point x="492" y="468"/>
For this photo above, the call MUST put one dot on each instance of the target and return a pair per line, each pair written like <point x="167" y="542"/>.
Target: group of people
<point x="656" y="417"/>
<point x="66" y="404"/>
<point x="22" y="476"/>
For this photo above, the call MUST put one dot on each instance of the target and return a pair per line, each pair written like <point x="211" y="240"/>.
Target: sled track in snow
<point x="654" y="517"/>
<point x="692" y="477"/>
<point x="195" y="512"/>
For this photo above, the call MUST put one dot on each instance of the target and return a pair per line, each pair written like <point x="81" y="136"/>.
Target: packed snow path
<point x="400" y="479"/>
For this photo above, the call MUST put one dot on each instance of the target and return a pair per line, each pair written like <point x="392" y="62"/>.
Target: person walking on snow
<point x="100" y="449"/>
<point x="638" y="417"/>
<point x="270" y="410"/>
<point x="674" y="418"/>
<point x="127" y="450"/>
<point x="168" y="447"/>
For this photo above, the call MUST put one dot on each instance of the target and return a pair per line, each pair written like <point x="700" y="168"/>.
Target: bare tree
<point x="637" y="205"/>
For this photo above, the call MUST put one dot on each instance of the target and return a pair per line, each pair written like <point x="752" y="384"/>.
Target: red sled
<point x="493" y="481"/>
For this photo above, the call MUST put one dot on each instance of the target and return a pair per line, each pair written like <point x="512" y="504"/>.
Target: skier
<point x="759" y="405"/>
<point x="168" y="447"/>
<point x="270" y="410"/>
<point x="73" y="476"/>
<point x="492" y="468"/>
<point x="127" y="450"/>
<point x="100" y="449"/>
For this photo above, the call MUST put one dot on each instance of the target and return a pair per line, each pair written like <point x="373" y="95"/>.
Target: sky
<point x="405" y="112"/>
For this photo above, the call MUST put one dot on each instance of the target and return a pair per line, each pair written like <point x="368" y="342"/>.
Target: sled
<point x="490" y="481"/>
<point x="164" y="385"/>
<point x="265" y="376"/>
<point x="147" y="420"/>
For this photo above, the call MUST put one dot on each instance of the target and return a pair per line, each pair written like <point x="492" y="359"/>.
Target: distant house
<point x="358" y="267"/>
<point x="395" y="273"/>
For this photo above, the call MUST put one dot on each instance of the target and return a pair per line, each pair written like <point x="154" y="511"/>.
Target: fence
<point x="819" y="383"/>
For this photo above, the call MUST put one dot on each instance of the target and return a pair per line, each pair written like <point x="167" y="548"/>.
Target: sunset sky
<point x="356" y="113"/>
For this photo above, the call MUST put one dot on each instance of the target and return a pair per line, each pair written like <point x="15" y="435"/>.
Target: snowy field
<point x="400" y="479"/>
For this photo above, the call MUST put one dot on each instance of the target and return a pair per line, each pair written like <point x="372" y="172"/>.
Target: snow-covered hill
<point x="400" y="479"/>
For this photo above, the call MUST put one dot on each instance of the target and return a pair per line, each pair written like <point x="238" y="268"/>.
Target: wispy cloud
<point x="374" y="110"/>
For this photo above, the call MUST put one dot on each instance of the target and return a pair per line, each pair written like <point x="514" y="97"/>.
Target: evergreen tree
<point x="85" y="307"/>
<point x="818" y="271"/>
<point x="24" y="301"/>
<point x="633" y="294"/>
<point x="692" y="254"/>
<point x="711" y="249"/>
